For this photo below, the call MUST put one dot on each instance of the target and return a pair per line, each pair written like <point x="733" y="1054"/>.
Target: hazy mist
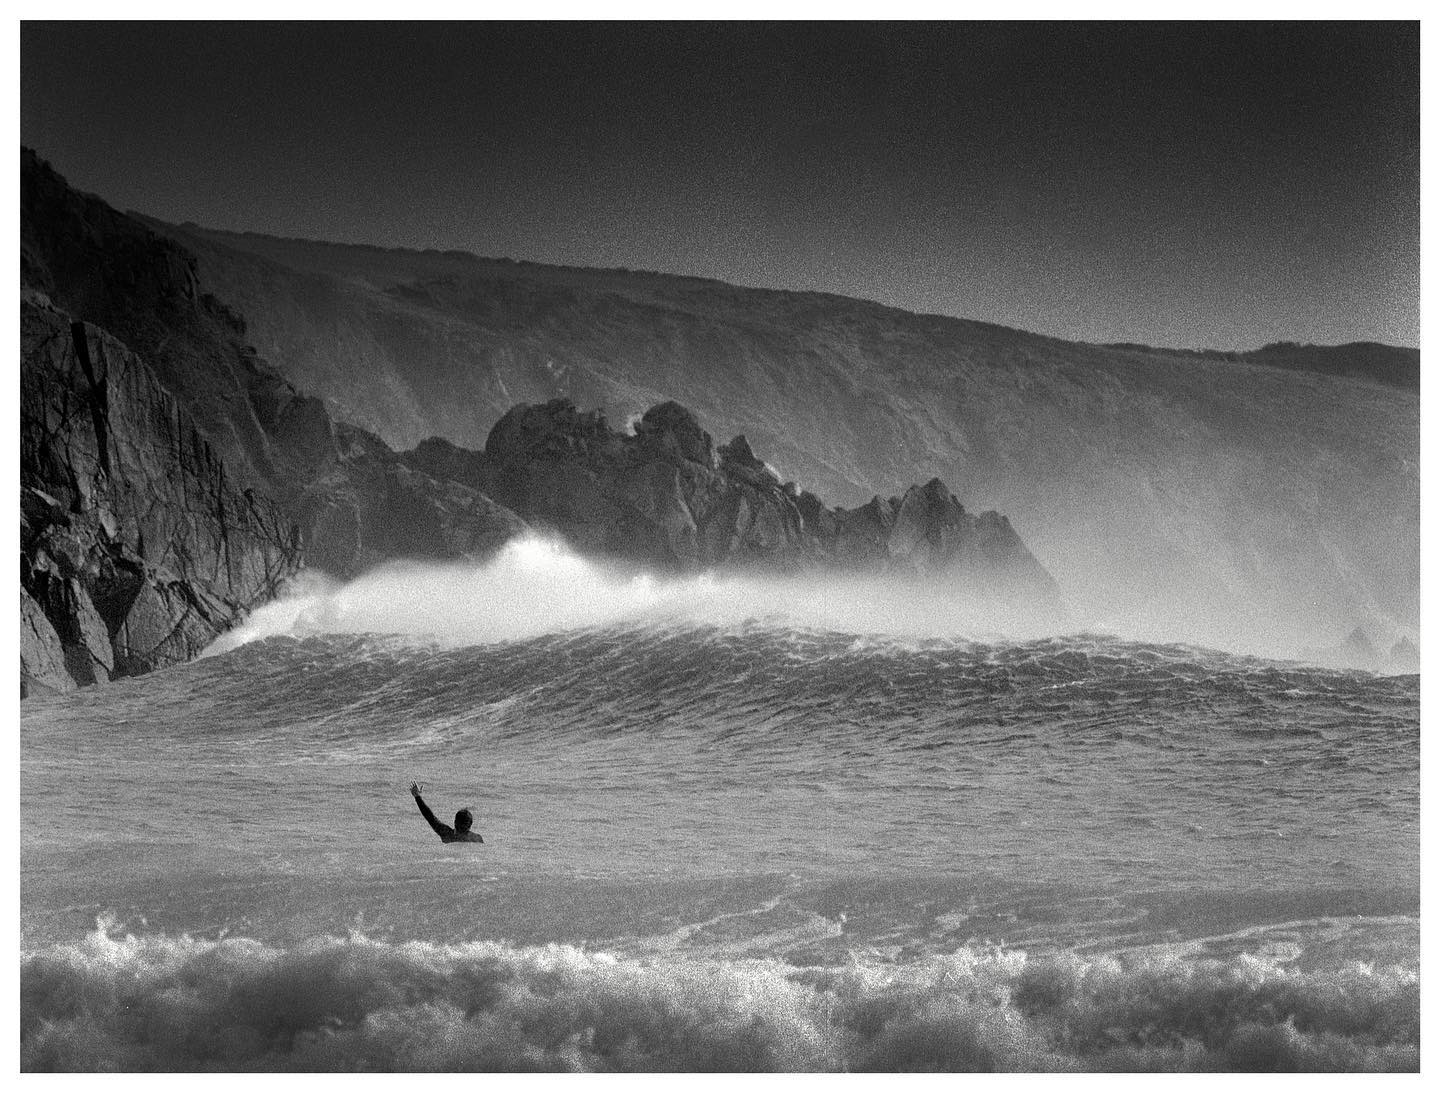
<point x="538" y="586"/>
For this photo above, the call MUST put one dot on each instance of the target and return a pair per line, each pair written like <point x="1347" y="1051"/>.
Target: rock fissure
<point x="97" y="397"/>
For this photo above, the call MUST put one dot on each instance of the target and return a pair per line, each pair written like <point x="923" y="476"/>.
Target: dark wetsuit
<point x="447" y="833"/>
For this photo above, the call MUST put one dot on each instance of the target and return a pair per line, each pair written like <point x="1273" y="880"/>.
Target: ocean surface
<point x="717" y="843"/>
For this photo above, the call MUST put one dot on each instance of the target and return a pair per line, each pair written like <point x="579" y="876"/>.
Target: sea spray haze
<point x="536" y="585"/>
<point x="728" y="826"/>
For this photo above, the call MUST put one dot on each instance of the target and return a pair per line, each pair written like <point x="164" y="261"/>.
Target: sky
<point x="1190" y="185"/>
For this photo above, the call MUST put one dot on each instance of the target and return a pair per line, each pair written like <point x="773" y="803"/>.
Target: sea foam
<point x="160" y="1003"/>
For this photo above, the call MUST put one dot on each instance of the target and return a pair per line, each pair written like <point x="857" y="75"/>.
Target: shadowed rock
<point x="171" y="479"/>
<point x="372" y="507"/>
<point x="42" y="655"/>
<point x="136" y="548"/>
<point x="159" y="450"/>
<point x="665" y="497"/>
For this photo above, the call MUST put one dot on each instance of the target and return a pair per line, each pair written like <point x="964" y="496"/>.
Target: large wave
<point x="159" y="1003"/>
<point x="538" y="586"/>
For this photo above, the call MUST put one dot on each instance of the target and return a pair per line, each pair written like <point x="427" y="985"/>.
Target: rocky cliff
<point x="136" y="546"/>
<point x="353" y="500"/>
<point x="171" y="478"/>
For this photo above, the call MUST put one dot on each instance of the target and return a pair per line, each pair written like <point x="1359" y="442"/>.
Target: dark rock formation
<point x="108" y="269"/>
<point x="141" y="287"/>
<point x="136" y="549"/>
<point x="928" y="529"/>
<point x="666" y="497"/>
<point x="371" y="507"/>
<point x="171" y="479"/>
<point x="656" y="497"/>
<point x="42" y="654"/>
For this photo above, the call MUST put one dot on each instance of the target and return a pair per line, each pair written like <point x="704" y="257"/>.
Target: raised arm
<point x="445" y="831"/>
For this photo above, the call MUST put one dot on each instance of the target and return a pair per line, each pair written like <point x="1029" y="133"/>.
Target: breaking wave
<point x="160" y="1003"/>
<point x="537" y="586"/>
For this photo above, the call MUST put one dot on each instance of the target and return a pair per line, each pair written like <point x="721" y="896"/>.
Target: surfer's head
<point x="463" y="820"/>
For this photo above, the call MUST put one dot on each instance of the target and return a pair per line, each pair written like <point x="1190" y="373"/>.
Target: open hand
<point x="415" y="789"/>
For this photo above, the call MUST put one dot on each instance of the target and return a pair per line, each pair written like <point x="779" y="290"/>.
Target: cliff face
<point x="666" y="497"/>
<point x="136" y="547"/>
<point x="1274" y="492"/>
<point x="352" y="499"/>
<point x="143" y="289"/>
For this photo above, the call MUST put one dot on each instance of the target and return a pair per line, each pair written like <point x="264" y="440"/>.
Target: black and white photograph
<point x="611" y="545"/>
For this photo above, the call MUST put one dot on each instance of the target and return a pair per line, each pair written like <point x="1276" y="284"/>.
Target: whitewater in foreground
<point x="717" y="837"/>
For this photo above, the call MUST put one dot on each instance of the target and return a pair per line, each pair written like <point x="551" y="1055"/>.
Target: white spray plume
<point x="535" y="586"/>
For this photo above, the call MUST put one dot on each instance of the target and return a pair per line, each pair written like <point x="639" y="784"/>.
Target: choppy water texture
<point x="737" y="847"/>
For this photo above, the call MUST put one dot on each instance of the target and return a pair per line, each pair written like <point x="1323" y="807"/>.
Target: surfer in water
<point x="460" y="833"/>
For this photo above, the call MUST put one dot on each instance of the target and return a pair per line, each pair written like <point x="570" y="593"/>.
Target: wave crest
<point x="536" y="586"/>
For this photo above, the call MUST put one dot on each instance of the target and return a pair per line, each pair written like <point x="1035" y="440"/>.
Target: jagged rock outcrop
<point x="928" y="529"/>
<point x="136" y="548"/>
<point x="107" y="268"/>
<point x="665" y="496"/>
<point x="354" y="501"/>
<point x="42" y="654"/>
<point x="171" y="479"/>
<point x="656" y="497"/>
<point x="369" y="506"/>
